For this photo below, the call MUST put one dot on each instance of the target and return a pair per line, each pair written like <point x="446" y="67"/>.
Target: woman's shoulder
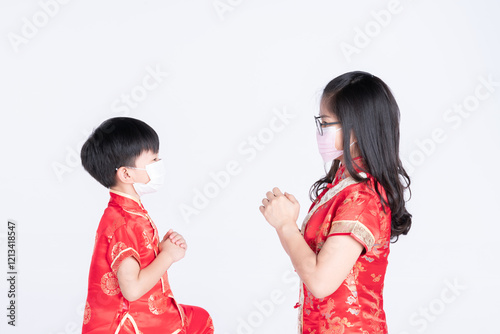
<point x="366" y="186"/>
<point x="364" y="192"/>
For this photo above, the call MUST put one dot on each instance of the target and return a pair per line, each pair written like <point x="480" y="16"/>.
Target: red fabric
<point x="357" y="305"/>
<point x="198" y="320"/>
<point x="127" y="230"/>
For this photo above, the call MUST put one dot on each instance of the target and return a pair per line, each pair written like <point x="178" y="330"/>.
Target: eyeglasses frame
<point x="320" y="125"/>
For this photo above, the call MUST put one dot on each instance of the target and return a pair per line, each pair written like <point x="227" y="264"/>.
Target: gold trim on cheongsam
<point x="125" y="195"/>
<point x="155" y="230"/>
<point x="135" y="213"/>
<point x="326" y="197"/>
<point x="330" y="194"/>
<point x="146" y="216"/>
<point x="179" y="309"/>
<point x="125" y="253"/>
<point x="357" y="229"/>
<point x="301" y="311"/>
<point x="129" y="317"/>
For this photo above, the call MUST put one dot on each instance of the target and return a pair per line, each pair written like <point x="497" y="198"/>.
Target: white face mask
<point x="156" y="173"/>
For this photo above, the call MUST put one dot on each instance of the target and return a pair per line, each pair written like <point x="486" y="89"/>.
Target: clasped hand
<point x="174" y="244"/>
<point x="280" y="209"/>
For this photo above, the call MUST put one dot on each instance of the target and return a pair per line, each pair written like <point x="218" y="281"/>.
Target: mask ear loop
<point x="354" y="142"/>
<point x="116" y="169"/>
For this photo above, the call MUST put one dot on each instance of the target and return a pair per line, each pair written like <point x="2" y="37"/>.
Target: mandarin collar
<point x="126" y="201"/>
<point x="341" y="174"/>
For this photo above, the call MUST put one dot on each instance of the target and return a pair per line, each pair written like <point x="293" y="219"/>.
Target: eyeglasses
<point x="320" y="125"/>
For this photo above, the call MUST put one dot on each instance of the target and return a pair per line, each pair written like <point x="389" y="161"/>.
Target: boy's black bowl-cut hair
<point x="115" y="143"/>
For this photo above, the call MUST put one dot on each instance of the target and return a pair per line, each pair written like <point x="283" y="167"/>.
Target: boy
<point x="128" y="284"/>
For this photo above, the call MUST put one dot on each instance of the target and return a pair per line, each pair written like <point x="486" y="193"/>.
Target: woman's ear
<point x="354" y="141"/>
<point x="123" y="175"/>
<point x="354" y="147"/>
<point x="353" y="137"/>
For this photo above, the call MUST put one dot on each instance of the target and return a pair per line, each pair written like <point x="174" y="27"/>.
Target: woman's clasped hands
<point x="280" y="210"/>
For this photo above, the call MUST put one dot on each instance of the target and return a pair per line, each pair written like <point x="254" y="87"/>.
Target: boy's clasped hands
<point x="174" y="245"/>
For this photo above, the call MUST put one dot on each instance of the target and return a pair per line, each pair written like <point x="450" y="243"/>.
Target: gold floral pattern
<point x="86" y="314"/>
<point x="350" y="208"/>
<point x="158" y="303"/>
<point x="147" y="241"/>
<point x="335" y="325"/>
<point x="117" y="249"/>
<point x="210" y="324"/>
<point x="119" y="236"/>
<point x="109" y="284"/>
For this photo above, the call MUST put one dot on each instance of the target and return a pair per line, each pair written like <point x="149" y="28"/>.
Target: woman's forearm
<point x="322" y="273"/>
<point x="303" y="258"/>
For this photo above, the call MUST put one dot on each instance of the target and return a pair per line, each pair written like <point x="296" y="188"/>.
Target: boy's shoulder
<point x="116" y="217"/>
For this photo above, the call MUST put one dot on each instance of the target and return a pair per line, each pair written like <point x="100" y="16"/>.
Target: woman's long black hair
<point x="365" y="106"/>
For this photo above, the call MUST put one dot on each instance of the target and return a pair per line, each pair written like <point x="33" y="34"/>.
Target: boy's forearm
<point x="149" y="276"/>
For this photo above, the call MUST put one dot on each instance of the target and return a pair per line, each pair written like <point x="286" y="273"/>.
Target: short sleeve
<point x="123" y="243"/>
<point x="358" y="216"/>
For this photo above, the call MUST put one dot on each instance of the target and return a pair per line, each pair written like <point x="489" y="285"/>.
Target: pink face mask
<point x="326" y="144"/>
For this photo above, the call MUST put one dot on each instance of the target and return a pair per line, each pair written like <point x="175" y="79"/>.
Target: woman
<point x="341" y="252"/>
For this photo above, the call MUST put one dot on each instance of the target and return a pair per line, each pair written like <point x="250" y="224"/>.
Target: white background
<point x="229" y="72"/>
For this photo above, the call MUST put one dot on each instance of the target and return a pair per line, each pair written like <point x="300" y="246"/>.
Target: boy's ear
<point x="123" y="176"/>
